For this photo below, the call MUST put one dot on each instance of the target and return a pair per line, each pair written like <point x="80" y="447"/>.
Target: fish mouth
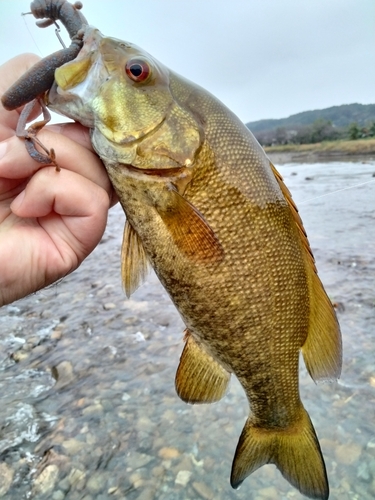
<point x="155" y="172"/>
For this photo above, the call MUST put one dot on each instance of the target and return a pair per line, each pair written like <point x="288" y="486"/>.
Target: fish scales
<point x="208" y="210"/>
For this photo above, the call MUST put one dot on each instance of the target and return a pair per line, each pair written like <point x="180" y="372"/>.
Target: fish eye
<point x="137" y="70"/>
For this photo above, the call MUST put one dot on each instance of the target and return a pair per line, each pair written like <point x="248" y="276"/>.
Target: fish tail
<point x="294" y="450"/>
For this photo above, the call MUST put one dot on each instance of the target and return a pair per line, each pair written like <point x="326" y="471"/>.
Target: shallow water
<point x="88" y="407"/>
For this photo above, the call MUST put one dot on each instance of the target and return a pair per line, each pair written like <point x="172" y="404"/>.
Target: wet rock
<point x="269" y="493"/>
<point x="19" y="356"/>
<point x="348" y="453"/>
<point x="73" y="446"/>
<point x="108" y="306"/>
<point x="92" y="410"/>
<point x="58" y="495"/>
<point x="63" y="374"/>
<point x="363" y="472"/>
<point x="147" y="494"/>
<point x="138" y="460"/>
<point x="203" y="490"/>
<point x="77" y="479"/>
<point x="183" y="477"/>
<point x="168" y="453"/>
<point x="158" y="471"/>
<point x="56" y="335"/>
<point x="6" y="478"/>
<point x="136" y="480"/>
<point x="46" y="480"/>
<point x="96" y="482"/>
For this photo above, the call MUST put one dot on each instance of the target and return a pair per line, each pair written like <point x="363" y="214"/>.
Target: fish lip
<point x="155" y="172"/>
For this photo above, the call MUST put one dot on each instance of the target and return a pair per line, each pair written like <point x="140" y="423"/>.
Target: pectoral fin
<point x="190" y="231"/>
<point x="134" y="263"/>
<point x="199" y="378"/>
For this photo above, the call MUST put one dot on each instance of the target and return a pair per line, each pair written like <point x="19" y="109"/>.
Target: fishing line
<point x="31" y="35"/>
<point x="333" y="192"/>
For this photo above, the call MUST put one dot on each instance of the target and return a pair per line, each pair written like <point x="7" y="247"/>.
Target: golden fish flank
<point x="209" y="212"/>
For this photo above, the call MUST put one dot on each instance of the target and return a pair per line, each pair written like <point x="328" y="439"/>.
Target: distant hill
<point x="340" y="116"/>
<point x="349" y="121"/>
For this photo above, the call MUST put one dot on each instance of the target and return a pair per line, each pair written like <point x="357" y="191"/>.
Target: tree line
<point x="320" y="130"/>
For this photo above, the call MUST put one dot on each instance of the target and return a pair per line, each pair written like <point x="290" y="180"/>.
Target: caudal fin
<point x="295" y="451"/>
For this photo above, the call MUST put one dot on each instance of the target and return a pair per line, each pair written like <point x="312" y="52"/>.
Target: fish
<point x="207" y="210"/>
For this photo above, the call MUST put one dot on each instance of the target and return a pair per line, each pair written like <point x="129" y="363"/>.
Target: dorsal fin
<point x="322" y="350"/>
<point x="134" y="262"/>
<point x="296" y="216"/>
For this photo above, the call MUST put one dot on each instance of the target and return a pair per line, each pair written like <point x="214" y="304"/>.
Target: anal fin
<point x="200" y="378"/>
<point x="322" y="350"/>
<point x="134" y="262"/>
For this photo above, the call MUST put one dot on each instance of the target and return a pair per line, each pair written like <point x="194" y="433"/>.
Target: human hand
<point x="49" y="220"/>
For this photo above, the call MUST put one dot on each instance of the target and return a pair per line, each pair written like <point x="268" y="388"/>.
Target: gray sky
<point x="262" y="58"/>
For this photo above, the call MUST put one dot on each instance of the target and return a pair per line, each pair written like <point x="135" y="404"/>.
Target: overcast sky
<point x="262" y="58"/>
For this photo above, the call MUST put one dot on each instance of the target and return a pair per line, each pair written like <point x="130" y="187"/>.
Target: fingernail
<point x="3" y="149"/>
<point x="17" y="202"/>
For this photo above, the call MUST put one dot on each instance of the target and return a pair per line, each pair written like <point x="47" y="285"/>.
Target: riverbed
<point x="88" y="407"/>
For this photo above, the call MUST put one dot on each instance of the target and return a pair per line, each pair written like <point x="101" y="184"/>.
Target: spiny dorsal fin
<point x="190" y="231"/>
<point x="134" y="263"/>
<point x="199" y="378"/>
<point x="322" y="350"/>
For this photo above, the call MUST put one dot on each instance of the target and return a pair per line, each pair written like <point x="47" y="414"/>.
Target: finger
<point x="16" y="163"/>
<point x="74" y="131"/>
<point x="81" y="204"/>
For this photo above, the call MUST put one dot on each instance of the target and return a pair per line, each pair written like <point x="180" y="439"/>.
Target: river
<point x="88" y="407"/>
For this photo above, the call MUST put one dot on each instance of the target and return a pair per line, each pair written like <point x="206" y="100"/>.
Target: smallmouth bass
<point x="210" y="213"/>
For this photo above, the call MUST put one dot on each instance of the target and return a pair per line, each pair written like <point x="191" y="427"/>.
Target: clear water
<point x="88" y="408"/>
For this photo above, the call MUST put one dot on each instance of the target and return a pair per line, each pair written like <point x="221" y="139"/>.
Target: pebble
<point x="19" y="356"/>
<point x="108" y="306"/>
<point x="183" y="477"/>
<point x="58" y="495"/>
<point x="6" y="478"/>
<point x="136" y="480"/>
<point x="269" y="493"/>
<point x="168" y="453"/>
<point x="203" y="490"/>
<point x="56" y="335"/>
<point x="63" y="373"/>
<point x="138" y="460"/>
<point x="147" y="494"/>
<point x="73" y="446"/>
<point x="77" y="478"/>
<point x="96" y="482"/>
<point x="347" y="454"/>
<point x="92" y="410"/>
<point x="46" y="480"/>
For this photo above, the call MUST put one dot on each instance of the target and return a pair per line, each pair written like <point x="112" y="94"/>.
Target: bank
<point x="328" y="150"/>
